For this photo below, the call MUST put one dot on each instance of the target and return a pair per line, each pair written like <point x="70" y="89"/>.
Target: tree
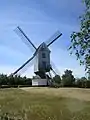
<point x="88" y="76"/>
<point x="83" y="82"/>
<point x="68" y="79"/>
<point x="80" y="41"/>
<point x="3" y="79"/>
<point x="57" y="79"/>
<point x="8" y="81"/>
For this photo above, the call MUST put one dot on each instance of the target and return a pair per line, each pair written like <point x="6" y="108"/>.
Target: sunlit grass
<point x="39" y="106"/>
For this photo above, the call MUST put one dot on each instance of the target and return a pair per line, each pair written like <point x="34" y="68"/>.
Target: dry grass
<point x="46" y="103"/>
<point x="78" y="93"/>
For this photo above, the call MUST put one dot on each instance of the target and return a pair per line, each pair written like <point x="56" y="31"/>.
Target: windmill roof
<point x="43" y="46"/>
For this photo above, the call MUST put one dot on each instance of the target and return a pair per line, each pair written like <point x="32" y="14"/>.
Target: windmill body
<point x="42" y="60"/>
<point x="41" y="57"/>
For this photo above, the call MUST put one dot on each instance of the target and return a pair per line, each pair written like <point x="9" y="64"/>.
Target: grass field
<point x="45" y="103"/>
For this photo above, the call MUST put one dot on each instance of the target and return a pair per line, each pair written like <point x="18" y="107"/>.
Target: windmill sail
<point x="54" y="69"/>
<point x="24" y="66"/>
<point x="53" y="38"/>
<point x="25" y="39"/>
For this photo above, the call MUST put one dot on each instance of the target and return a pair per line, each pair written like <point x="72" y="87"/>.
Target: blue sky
<point x="39" y="19"/>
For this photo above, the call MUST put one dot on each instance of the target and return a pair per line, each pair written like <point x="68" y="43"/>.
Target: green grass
<point x="39" y="106"/>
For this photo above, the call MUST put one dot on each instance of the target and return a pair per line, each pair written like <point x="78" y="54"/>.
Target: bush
<point x="14" y="81"/>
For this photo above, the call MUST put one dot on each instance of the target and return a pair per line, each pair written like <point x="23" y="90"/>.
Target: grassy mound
<point x="17" y="104"/>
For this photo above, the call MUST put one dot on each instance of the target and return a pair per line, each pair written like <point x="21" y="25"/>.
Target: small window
<point x="43" y="55"/>
<point x="44" y="64"/>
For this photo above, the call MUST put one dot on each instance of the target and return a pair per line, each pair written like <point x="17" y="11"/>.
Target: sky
<point x="39" y="19"/>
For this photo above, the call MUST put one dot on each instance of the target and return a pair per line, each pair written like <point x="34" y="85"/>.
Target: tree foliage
<point x="14" y="80"/>
<point x="83" y="83"/>
<point x="68" y="79"/>
<point x="80" y="41"/>
<point x="57" y="79"/>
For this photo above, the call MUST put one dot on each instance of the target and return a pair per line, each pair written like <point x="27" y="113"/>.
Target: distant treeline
<point x="14" y="81"/>
<point x="66" y="80"/>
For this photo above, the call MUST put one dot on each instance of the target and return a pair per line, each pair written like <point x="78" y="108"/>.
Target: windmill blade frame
<point x="24" y="37"/>
<point x="53" y="38"/>
<point x="54" y="68"/>
<point x="26" y="67"/>
<point x="23" y="65"/>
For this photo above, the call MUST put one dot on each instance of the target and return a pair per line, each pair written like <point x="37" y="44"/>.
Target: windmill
<point x="41" y="56"/>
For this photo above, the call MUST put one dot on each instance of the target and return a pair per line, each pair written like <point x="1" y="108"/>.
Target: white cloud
<point x="7" y="69"/>
<point x="63" y="61"/>
<point x="77" y="71"/>
<point x="10" y="69"/>
<point x="11" y="52"/>
<point x="60" y="57"/>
